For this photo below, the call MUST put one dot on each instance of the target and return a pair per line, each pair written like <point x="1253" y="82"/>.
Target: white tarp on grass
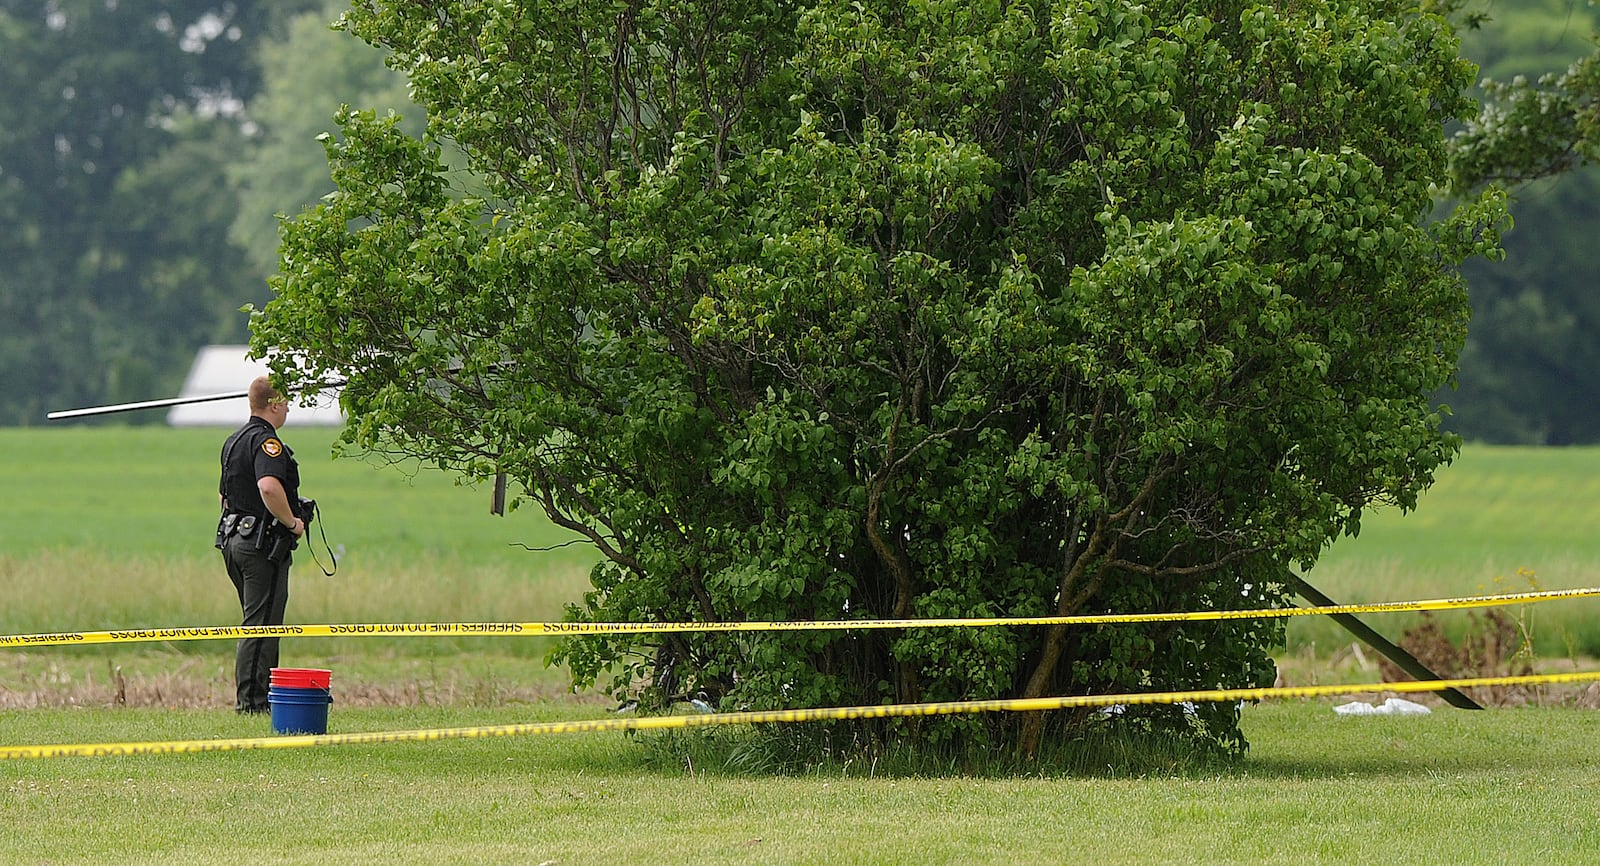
<point x="1390" y="707"/>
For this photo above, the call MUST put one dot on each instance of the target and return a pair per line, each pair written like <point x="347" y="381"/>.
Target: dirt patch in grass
<point x="29" y="681"/>
<point x="1495" y="645"/>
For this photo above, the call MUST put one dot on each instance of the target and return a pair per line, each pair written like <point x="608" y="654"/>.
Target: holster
<point x="277" y="541"/>
<point x="233" y="523"/>
<point x="225" y="525"/>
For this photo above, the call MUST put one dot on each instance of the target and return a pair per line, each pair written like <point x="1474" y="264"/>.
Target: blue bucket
<point x="299" y="711"/>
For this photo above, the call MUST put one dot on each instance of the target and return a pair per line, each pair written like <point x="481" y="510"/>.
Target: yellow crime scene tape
<point x="533" y="629"/>
<point x="646" y="723"/>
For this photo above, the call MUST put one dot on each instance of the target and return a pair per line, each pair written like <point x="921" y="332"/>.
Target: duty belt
<point x="240" y="523"/>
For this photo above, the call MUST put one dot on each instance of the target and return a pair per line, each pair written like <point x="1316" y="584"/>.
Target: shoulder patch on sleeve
<point x="272" y="447"/>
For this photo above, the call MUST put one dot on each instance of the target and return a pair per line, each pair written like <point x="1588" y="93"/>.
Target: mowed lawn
<point x="114" y="532"/>
<point x="1495" y="787"/>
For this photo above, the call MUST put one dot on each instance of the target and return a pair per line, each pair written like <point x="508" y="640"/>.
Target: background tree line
<point x="1527" y="372"/>
<point x="146" y="147"/>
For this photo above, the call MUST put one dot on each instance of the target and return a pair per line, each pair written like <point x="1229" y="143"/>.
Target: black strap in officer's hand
<point x="311" y="547"/>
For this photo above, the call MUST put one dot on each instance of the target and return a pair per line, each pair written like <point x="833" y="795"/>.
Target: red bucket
<point x="301" y="678"/>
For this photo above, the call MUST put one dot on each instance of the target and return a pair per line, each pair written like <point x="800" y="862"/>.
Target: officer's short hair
<point x="262" y="393"/>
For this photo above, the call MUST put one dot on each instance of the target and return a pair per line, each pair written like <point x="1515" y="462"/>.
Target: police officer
<point x="260" y="490"/>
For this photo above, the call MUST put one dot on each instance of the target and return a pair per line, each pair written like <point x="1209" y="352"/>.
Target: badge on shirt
<point x="272" y="447"/>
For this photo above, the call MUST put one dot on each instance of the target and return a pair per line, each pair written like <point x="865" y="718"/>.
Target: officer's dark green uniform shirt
<point x="254" y="451"/>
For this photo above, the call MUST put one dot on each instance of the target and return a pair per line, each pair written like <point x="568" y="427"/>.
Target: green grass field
<point x="115" y="531"/>
<point x="1498" y="520"/>
<point x="151" y="491"/>
<point x="111" y="528"/>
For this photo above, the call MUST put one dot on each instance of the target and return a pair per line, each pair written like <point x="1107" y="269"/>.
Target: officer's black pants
<point x="263" y="588"/>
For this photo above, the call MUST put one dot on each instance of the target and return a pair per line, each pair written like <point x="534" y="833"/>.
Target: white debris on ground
<point x="1390" y="707"/>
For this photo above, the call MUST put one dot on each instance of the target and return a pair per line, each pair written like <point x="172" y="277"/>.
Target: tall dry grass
<point x="84" y="590"/>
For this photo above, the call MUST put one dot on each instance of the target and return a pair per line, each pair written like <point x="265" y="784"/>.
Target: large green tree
<point x="832" y="310"/>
